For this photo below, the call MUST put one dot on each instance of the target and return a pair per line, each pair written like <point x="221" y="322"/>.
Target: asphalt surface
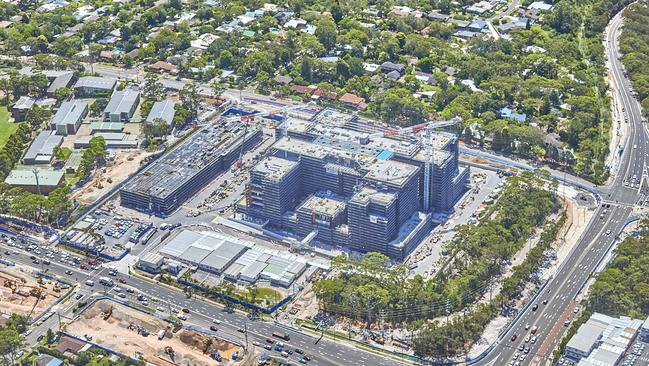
<point x="553" y="317"/>
<point x="202" y="314"/>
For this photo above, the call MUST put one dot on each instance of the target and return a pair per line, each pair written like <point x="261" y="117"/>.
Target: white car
<point x="216" y="321"/>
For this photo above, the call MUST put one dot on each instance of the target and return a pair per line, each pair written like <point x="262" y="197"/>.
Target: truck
<point x="106" y="281"/>
<point x="281" y="335"/>
<point x="161" y="333"/>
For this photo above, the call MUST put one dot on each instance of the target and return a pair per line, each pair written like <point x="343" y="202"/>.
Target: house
<point x="41" y="151"/>
<point x="47" y="360"/>
<point x="425" y="77"/>
<point x="393" y="75"/>
<point x="481" y="7"/>
<point x="121" y="106"/>
<point x="41" y="181"/>
<point x="509" y="113"/>
<point x="161" y="66"/>
<point x="388" y="66"/>
<point x="71" y="346"/>
<point x="165" y="110"/>
<point x="540" y="6"/>
<point x="282" y="79"/>
<point x="370" y="68"/>
<point x="438" y="17"/>
<point x="21" y="107"/>
<point x="517" y="23"/>
<point x="295" y="23"/>
<point x="68" y="118"/>
<point x="428" y="95"/>
<point x="352" y="101"/>
<point x="204" y="41"/>
<point x="301" y="89"/>
<point x="464" y="34"/>
<point x="89" y="86"/>
<point x="477" y="26"/>
<point x="321" y="93"/>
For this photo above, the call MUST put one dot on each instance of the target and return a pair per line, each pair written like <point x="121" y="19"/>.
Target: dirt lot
<point x="21" y="298"/>
<point x="120" y="333"/>
<point x="126" y="163"/>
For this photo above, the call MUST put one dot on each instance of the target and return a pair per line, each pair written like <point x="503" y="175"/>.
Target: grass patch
<point x="6" y="128"/>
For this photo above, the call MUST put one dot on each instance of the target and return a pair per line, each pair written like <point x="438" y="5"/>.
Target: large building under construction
<point x="169" y="182"/>
<point x="341" y="180"/>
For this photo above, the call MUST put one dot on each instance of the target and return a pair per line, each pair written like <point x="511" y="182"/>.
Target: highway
<point x="553" y="310"/>
<point x="326" y="352"/>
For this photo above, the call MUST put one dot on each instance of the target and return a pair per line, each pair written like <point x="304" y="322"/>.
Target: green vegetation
<point x="11" y="339"/>
<point x="623" y="288"/>
<point x="369" y="289"/>
<point x="634" y="46"/>
<point x="93" y="156"/>
<point x="6" y="128"/>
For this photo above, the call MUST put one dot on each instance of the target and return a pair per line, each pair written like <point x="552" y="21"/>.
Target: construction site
<point x="25" y="294"/>
<point x="136" y="334"/>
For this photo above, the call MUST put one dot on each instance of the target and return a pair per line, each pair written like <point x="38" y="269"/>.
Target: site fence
<point x="236" y="301"/>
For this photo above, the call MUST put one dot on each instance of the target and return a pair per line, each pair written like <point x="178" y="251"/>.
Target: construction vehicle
<point x="170" y="351"/>
<point x="108" y="313"/>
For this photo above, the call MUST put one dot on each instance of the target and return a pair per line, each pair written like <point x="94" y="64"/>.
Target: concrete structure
<point x="90" y="85"/>
<point x="165" y="110"/>
<point x="602" y="340"/>
<point x="41" y="151"/>
<point x="68" y="118"/>
<point x="122" y="105"/>
<point x="48" y="180"/>
<point x="151" y="262"/>
<point x="21" y="107"/>
<point x="177" y="176"/>
<point x="328" y="180"/>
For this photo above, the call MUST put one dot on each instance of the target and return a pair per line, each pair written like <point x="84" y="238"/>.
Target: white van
<point x="89" y="283"/>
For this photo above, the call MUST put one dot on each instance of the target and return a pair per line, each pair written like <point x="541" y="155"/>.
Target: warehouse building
<point x="171" y="180"/>
<point x="332" y="178"/>
<point x="165" y="110"/>
<point x="602" y="340"/>
<point x="21" y="107"/>
<point x="68" y="118"/>
<point x="114" y="140"/>
<point x="122" y="106"/>
<point x="26" y="179"/>
<point x="41" y="151"/>
<point x="235" y="259"/>
<point x="88" y="86"/>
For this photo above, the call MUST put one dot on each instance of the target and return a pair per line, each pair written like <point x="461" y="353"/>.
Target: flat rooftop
<point x="367" y="194"/>
<point x="388" y="171"/>
<point x="275" y="168"/>
<point x="24" y="177"/>
<point x="329" y="206"/>
<point x="122" y="101"/>
<point x="188" y="159"/>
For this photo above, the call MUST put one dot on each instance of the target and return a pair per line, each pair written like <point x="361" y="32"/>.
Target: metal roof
<point x="70" y="112"/>
<point x="43" y="145"/>
<point x="24" y="177"/>
<point x="122" y="101"/>
<point x="60" y="81"/>
<point x="96" y="82"/>
<point x="165" y="110"/>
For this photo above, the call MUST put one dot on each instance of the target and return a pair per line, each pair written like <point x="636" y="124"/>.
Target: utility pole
<point x="245" y="333"/>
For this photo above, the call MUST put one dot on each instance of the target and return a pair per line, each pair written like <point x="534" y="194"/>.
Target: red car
<point x="84" y="266"/>
<point x="514" y="337"/>
<point x="121" y="280"/>
<point x="269" y="340"/>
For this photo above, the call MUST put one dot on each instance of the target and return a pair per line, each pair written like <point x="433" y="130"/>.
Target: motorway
<point x="553" y="310"/>
<point x="325" y="352"/>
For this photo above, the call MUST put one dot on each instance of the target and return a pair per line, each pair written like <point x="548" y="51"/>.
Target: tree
<point x="153" y="88"/>
<point x="37" y="115"/>
<point x="190" y="99"/>
<point x="326" y="32"/>
<point x="62" y="93"/>
<point x="11" y="342"/>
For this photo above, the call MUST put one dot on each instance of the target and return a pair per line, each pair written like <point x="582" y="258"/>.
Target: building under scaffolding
<point x="333" y="178"/>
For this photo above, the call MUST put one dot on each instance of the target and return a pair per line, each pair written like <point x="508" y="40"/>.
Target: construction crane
<point x="429" y="147"/>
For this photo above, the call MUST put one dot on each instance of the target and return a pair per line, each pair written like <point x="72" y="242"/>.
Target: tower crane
<point x="429" y="148"/>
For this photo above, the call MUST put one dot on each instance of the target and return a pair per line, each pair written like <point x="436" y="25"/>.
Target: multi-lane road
<point x="202" y="313"/>
<point x="553" y="310"/>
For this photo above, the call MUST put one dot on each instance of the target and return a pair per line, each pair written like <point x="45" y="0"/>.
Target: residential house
<point x="161" y="67"/>
<point x="283" y="79"/>
<point x="353" y="101"/>
<point x="517" y="23"/>
<point x="438" y="17"/>
<point x="388" y="66"/>
<point x="509" y="113"/>
<point x="424" y="77"/>
<point x="321" y="93"/>
<point x="301" y="89"/>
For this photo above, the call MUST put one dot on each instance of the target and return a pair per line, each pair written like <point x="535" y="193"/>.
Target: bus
<point x="281" y="335"/>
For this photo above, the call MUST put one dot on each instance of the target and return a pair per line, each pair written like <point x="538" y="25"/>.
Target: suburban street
<point x="555" y="304"/>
